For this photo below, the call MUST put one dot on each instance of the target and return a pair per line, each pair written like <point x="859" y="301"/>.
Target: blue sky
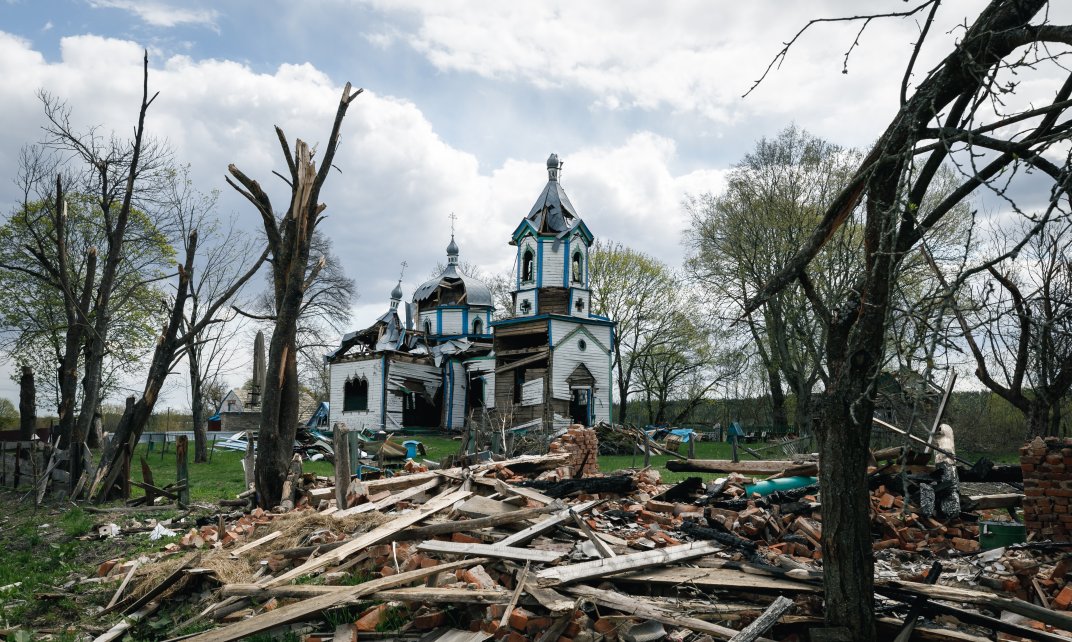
<point x="464" y="101"/>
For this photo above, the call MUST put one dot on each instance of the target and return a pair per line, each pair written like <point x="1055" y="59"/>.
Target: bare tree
<point x="961" y="113"/>
<point x="290" y="239"/>
<point x="1018" y="326"/>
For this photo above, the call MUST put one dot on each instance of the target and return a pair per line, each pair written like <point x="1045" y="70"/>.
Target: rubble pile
<point x="523" y="550"/>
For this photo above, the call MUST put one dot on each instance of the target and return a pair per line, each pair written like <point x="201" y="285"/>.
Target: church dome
<point x="452" y="286"/>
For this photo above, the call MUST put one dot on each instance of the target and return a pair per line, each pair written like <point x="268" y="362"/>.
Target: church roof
<point x="553" y="212"/>
<point x="467" y="290"/>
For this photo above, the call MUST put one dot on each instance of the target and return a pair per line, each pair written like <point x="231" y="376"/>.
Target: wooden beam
<point x="164" y="585"/>
<point x="255" y="543"/>
<point x="539" y="356"/>
<point x="641" y="607"/>
<point x="491" y="550"/>
<point x="379" y="534"/>
<point x="123" y="586"/>
<point x="622" y="563"/>
<point x="303" y="609"/>
<point x="1059" y="619"/>
<point x="412" y="594"/>
<point x="761" y="467"/>
<point x="462" y="525"/>
<point x="388" y="502"/>
<point x="719" y="578"/>
<point x="341" y="448"/>
<point x="764" y="622"/>
<point x="539" y="528"/>
<point x="182" y="473"/>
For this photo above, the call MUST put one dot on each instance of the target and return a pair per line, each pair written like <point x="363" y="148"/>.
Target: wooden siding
<point x="577" y="294"/>
<point x="567" y="336"/>
<point x="456" y="395"/>
<point x="554" y="262"/>
<point x="398" y="372"/>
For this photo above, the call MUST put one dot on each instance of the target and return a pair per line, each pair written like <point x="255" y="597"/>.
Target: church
<point x="452" y="357"/>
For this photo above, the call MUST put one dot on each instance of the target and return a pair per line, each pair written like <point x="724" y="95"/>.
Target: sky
<point x="463" y="103"/>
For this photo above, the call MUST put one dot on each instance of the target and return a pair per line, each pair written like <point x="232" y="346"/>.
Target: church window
<point x="427" y="327"/>
<point x="582" y="345"/>
<point x="526" y="307"/>
<point x="355" y="395"/>
<point x="577" y="268"/>
<point x="478" y="327"/>
<point x="527" y="260"/>
<point x="579" y="305"/>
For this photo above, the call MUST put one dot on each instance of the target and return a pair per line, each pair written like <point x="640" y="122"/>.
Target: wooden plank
<point x="985" y="502"/>
<point x="255" y="543"/>
<point x="641" y="607"/>
<point x="491" y="550"/>
<point x="471" y="525"/>
<point x="539" y="528"/>
<point x="388" y="502"/>
<point x="303" y="609"/>
<point x="445" y="595"/>
<point x="506" y="489"/>
<point x="601" y="546"/>
<point x="550" y="599"/>
<point x="1059" y="619"/>
<point x="481" y="506"/>
<point x="505" y="619"/>
<point x="764" y="622"/>
<point x="164" y="585"/>
<point x="622" y="563"/>
<point x="124" y="625"/>
<point x="723" y="578"/>
<point x="123" y="586"/>
<point x="379" y="534"/>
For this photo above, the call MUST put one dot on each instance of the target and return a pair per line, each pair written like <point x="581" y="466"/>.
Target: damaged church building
<point x="452" y="357"/>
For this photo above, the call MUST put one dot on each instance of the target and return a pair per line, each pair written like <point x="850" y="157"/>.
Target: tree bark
<point x="777" y="396"/>
<point x="197" y="402"/>
<point x="27" y="404"/>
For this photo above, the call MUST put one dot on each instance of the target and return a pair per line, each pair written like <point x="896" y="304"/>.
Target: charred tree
<point x="289" y="241"/>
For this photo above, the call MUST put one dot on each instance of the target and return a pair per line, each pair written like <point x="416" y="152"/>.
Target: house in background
<point x="449" y="361"/>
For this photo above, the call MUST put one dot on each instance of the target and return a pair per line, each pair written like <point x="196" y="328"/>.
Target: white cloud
<point x="398" y="182"/>
<point x="48" y="26"/>
<point x="161" y="14"/>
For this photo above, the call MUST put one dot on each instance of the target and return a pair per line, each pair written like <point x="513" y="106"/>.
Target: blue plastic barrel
<point x="411" y="448"/>
<point x="783" y="483"/>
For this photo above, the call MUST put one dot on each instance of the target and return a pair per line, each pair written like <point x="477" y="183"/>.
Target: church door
<point x="580" y="405"/>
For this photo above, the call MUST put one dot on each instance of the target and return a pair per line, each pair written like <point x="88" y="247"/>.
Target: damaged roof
<point x="553" y="212"/>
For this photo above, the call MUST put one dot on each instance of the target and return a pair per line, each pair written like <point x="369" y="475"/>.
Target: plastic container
<point x="998" y="534"/>
<point x="411" y="448"/>
<point x="783" y="483"/>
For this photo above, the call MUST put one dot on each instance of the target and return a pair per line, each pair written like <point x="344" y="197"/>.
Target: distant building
<point x="449" y="360"/>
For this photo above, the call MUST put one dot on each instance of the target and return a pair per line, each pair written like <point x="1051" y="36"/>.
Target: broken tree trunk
<point x="341" y="446"/>
<point x="182" y="472"/>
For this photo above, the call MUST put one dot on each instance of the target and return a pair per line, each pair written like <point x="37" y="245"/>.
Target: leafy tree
<point x="9" y="414"/>
<point x="34" y="315"/>
<point x="639" y="293"/>
<point x="744" y="235"/>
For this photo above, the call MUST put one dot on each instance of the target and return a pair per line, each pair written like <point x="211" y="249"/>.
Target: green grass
<point x="76" y="522"/>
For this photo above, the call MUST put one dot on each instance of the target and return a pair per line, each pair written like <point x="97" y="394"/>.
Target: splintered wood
<point x="514" y="549"/>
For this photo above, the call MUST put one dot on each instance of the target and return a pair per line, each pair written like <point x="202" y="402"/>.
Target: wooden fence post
<point x="647" y="449"/>
<point x="692" y="446"/>
<point x="341" y="444"/>
<point x="182" y="476"/>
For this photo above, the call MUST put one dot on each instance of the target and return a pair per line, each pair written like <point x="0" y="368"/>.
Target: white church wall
<point x="553" y="262"/>
<point x="372" y="370"/>
<point x="595" y="356"/>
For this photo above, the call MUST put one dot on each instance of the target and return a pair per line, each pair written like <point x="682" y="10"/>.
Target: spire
<point x="452" y="252"/>
<point x="396" y="295"/>
<point x="554" y="166"/>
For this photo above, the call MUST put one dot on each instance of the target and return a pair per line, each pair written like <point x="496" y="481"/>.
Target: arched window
<point x="427" y="327"/>
<point x="527" y="260"/>
<point x="478" y="327"/>
<point x="355" y="395"/>
<point x="577" y="269"/>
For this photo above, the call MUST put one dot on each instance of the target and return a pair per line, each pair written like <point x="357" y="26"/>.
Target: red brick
<point x="1064" y="598"/>
<point x="462" y="538"/>
<point x="519" y="618"/>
